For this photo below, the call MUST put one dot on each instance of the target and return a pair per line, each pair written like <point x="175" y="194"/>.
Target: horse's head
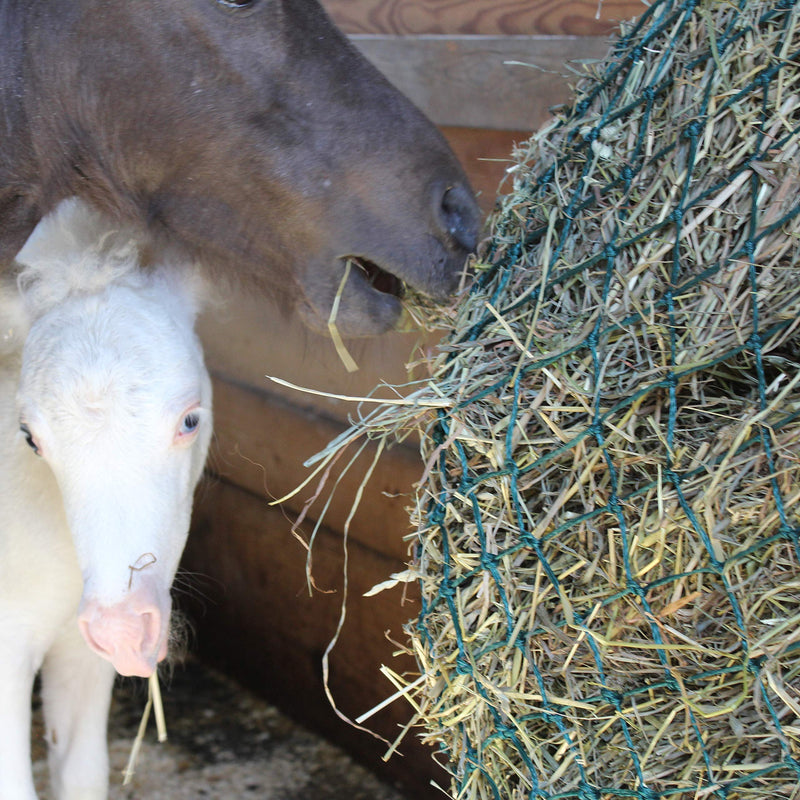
<point x="255" y="136"/>
<point x="115" y="397"/>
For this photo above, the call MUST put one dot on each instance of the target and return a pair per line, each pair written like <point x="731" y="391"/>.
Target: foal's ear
<point x="72" y="230"/>
<point x="73" y="249"/>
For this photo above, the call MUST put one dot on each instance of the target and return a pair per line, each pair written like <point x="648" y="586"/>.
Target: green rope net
<point x="608" y="540"/>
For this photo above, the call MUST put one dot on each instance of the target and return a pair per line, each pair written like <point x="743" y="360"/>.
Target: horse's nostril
<point x="459" y="216"/>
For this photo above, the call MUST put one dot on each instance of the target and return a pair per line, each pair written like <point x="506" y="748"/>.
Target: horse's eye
<point x="26" y="432"/>
<point x="234" y="4"/>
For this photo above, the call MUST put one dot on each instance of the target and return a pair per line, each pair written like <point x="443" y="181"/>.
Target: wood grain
<point x="485" y="17"/>
<point x="503" y="83"/>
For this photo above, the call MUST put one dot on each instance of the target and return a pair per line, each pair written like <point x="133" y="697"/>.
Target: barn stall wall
<point x="251" y="607"/>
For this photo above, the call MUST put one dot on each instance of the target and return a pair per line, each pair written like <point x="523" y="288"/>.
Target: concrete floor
<point x="224" y="743"/>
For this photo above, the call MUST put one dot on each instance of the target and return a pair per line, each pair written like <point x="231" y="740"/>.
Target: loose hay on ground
<point x="607" y="523"/>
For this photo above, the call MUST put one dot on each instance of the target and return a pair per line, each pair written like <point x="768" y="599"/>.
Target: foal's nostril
<point x="98" y="647"/>
<point x="459" y="216"/>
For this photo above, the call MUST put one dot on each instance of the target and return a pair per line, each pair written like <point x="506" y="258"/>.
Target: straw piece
<point x="161" y="722"/>
<point x="153" y="702"/>
<point x="341" y="350"/>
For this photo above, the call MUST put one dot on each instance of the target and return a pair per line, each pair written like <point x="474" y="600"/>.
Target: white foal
<point x="105" y="421"/>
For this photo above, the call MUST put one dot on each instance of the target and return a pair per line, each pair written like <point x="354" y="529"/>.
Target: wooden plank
<point x="487" y="17"/>
<point x="261" y="443"/>
<point x="502" y="83"/>
<point x="256" y="621"/>
<point x="256" y="572"/>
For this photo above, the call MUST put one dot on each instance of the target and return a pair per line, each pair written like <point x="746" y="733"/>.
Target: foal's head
<point x="115" y="397"/>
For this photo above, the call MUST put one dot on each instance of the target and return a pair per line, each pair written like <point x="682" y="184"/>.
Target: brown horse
<point x="249" y="134"/>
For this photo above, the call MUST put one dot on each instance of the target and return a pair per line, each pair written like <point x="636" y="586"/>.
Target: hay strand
<point x="153" y="703"/>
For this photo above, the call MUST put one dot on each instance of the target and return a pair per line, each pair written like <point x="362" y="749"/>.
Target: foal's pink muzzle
<point x="132" y="634"/>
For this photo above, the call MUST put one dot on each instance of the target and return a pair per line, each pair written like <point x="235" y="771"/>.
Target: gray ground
<point x="224" y="744"/>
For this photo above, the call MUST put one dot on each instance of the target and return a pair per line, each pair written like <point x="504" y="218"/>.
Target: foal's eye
<point x="190" y="423"/>
<point x="187" y="427"/>
<point x="26" y="432"/>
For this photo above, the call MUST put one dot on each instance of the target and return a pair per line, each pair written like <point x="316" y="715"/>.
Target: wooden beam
<point x="249" y="337"/>
<point x="501" y="83"/>
<point x="487" y="17"/>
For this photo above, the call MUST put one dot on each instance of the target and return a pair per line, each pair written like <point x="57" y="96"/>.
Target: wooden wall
<point x="485" y="71"/>
<point x="252" y="610"/>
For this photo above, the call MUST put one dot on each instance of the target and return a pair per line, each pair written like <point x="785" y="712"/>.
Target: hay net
<point x="607" y="527"/>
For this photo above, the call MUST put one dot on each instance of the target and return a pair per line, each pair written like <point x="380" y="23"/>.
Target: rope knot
<point x="527" y="539"/>
<point x="463" y="667"/>
<point x="596" y="429"/>
<point x="612" y="697"/>
<point x="755" y="664"/>
<point x="788" y="532"/>
<point x="447" y="590"/>
<point x="488" y="562"/>
<point x="504" y="731"/>
<point x="693" y="129"/>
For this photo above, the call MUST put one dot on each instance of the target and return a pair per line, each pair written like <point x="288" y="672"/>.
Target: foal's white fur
<point x="113" y="390"/>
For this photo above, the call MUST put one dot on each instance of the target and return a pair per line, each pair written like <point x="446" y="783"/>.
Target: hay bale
<point x="608" y="541"/>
